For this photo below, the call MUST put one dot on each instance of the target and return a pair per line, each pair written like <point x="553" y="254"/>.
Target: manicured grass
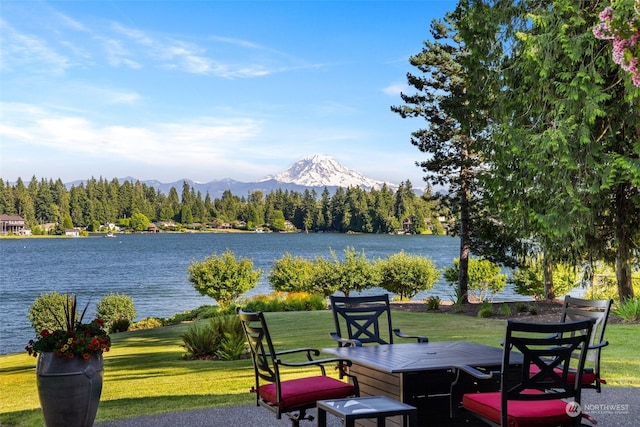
<point x="145" y="373"/>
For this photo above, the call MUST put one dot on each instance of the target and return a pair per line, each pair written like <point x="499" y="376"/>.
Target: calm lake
<point x="152" y="268"/>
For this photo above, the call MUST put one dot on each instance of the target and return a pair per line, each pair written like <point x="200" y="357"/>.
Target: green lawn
<point x="145" y="373"/>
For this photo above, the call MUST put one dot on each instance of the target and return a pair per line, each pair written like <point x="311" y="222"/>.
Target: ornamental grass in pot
<point x="70" y="368"/>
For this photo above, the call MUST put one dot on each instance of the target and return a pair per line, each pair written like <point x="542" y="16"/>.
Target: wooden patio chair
<point x="551" y="397"/>
<point x="295" y="396"/>
<point x="364" y="320"/>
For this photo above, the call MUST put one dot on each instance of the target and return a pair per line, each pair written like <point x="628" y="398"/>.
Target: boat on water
<point x="110" y="234"/>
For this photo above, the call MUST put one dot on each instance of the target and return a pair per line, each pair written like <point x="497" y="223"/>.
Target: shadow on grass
<point x="26" y="418"/>
<point x="112" y="410"/>
<point x="136" y="407"/>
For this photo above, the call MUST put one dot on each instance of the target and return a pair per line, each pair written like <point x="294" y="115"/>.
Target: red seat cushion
<point x="305" y="392"/>
<point x="522" y="413"/>
<point x="588" y="376"/>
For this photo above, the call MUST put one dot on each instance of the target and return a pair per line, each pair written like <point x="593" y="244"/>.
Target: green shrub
<point x="291" y="274"/>
<point x="202" y="312"/>
<point x="529" y="279"/>
<point x="281" y="301"/>
<point x="302" y="301"/>
<point x="457" y="298"/>
<point x="603" y="285"/>
<point x="522" y="307"/>
<point x="221" y="339"/>
<point x="433" y="303"/>
<point x="223" y="278"/>
<point x="406" y="275"/>
<point x="200" y="342"/>
<point x="47" y="311"/>
<point x="266" y="303"/>
<point x="532" y="309"/>
<point x="485" y="277"/>
<point x="115" y="309"/>
<point x="119" y="325"/>
<point x="486" y="310"/>
<point x="232" y="346"/>
<point x="146" y="323"/>
<point x="354" y="273"/>
<point x="629" y="310"/>
<point x="505" y="310"/>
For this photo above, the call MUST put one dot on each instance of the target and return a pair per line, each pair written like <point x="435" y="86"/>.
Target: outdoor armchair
<point x="364" y="320"/>
<point x="598" y="310"/>
<point x="550" y="397"/>
<point x="292" y="397"/>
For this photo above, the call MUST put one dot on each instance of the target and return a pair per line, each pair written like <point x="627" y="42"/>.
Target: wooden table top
<point x="416" y="357"/>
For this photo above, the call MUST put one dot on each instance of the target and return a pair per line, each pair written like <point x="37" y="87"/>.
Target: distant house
<point x="12" y="224"/>
<point x="72" y="232"/>
<point x="166" y="224"/>
<point x="110" y="226"/>
<point x="408" y="225"/>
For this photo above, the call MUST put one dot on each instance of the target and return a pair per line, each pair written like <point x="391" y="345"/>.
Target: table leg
<point x="413" y="419"/>
<point x="381" y="421"/>
<point x="322" y="417"/>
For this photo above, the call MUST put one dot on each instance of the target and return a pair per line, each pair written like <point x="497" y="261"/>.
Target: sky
<point x="207" y="90"/>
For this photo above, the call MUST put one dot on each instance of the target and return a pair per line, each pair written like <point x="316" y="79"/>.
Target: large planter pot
<point x="69" y="389"/>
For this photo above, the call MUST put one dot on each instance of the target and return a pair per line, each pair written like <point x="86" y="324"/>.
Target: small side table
<point x="378" y="407"/>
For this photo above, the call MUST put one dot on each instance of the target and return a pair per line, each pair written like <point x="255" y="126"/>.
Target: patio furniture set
<point x="534" y="378"/>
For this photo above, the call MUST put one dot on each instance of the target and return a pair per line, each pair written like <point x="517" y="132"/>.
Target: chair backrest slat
<point x="260" y="346"/>
<point x="364" y="318"/>
<point x="598" y="310"/>
<point x="550" y="347"/>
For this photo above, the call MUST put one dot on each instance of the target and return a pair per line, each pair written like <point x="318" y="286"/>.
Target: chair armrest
<point x="318" y="362"/>
<point x="349" y="342"/>
<point x="309" y="351"/>
<point x="341" y="364"/>
<point x="420" y="338"/>
<point x="476" y="373"/>
<point x="599" y="345"/>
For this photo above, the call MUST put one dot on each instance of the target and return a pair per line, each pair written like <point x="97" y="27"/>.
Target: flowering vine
<point x="625" y="35"/>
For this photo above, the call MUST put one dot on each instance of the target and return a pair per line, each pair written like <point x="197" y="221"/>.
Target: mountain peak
<point x="319" y="170"/>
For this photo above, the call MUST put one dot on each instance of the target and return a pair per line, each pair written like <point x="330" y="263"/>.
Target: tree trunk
<point x="463" y="267"/>
<point x="547" y="273"/>
<point x="623" y="244"/>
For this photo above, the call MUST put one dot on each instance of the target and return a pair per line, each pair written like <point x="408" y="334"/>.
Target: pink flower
<point x="606" y="14"/>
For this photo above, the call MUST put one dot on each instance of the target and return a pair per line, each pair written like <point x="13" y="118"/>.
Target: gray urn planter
<point x="69" y="389"/>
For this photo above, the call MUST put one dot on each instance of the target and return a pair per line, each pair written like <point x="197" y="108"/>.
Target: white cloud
<point x="194" y="58"/>
<point x="118" y="55"/>
<point x="394" y="89"/>
<point x="123" y="98"/>
<point x="28" y="53"/>
<point x="70" y="22"/>
<point x="185" y="144"/>
<point x="135" y="35"/>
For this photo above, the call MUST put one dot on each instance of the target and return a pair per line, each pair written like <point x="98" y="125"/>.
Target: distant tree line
<point x="96" y="202"/>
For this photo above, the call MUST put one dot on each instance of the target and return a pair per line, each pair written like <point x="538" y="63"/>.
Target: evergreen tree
<point x="455" y="112"/>
<point x="565" y="161"/>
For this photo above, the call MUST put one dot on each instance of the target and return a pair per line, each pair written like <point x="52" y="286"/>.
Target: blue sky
<point x="207" y="90"/>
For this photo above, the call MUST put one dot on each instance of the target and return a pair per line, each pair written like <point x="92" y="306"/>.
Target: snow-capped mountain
<point x="323" y="171"/>
<point x="315" y="172"/>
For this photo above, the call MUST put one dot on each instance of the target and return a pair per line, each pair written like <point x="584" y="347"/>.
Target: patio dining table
<point x="419" y="374"/>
